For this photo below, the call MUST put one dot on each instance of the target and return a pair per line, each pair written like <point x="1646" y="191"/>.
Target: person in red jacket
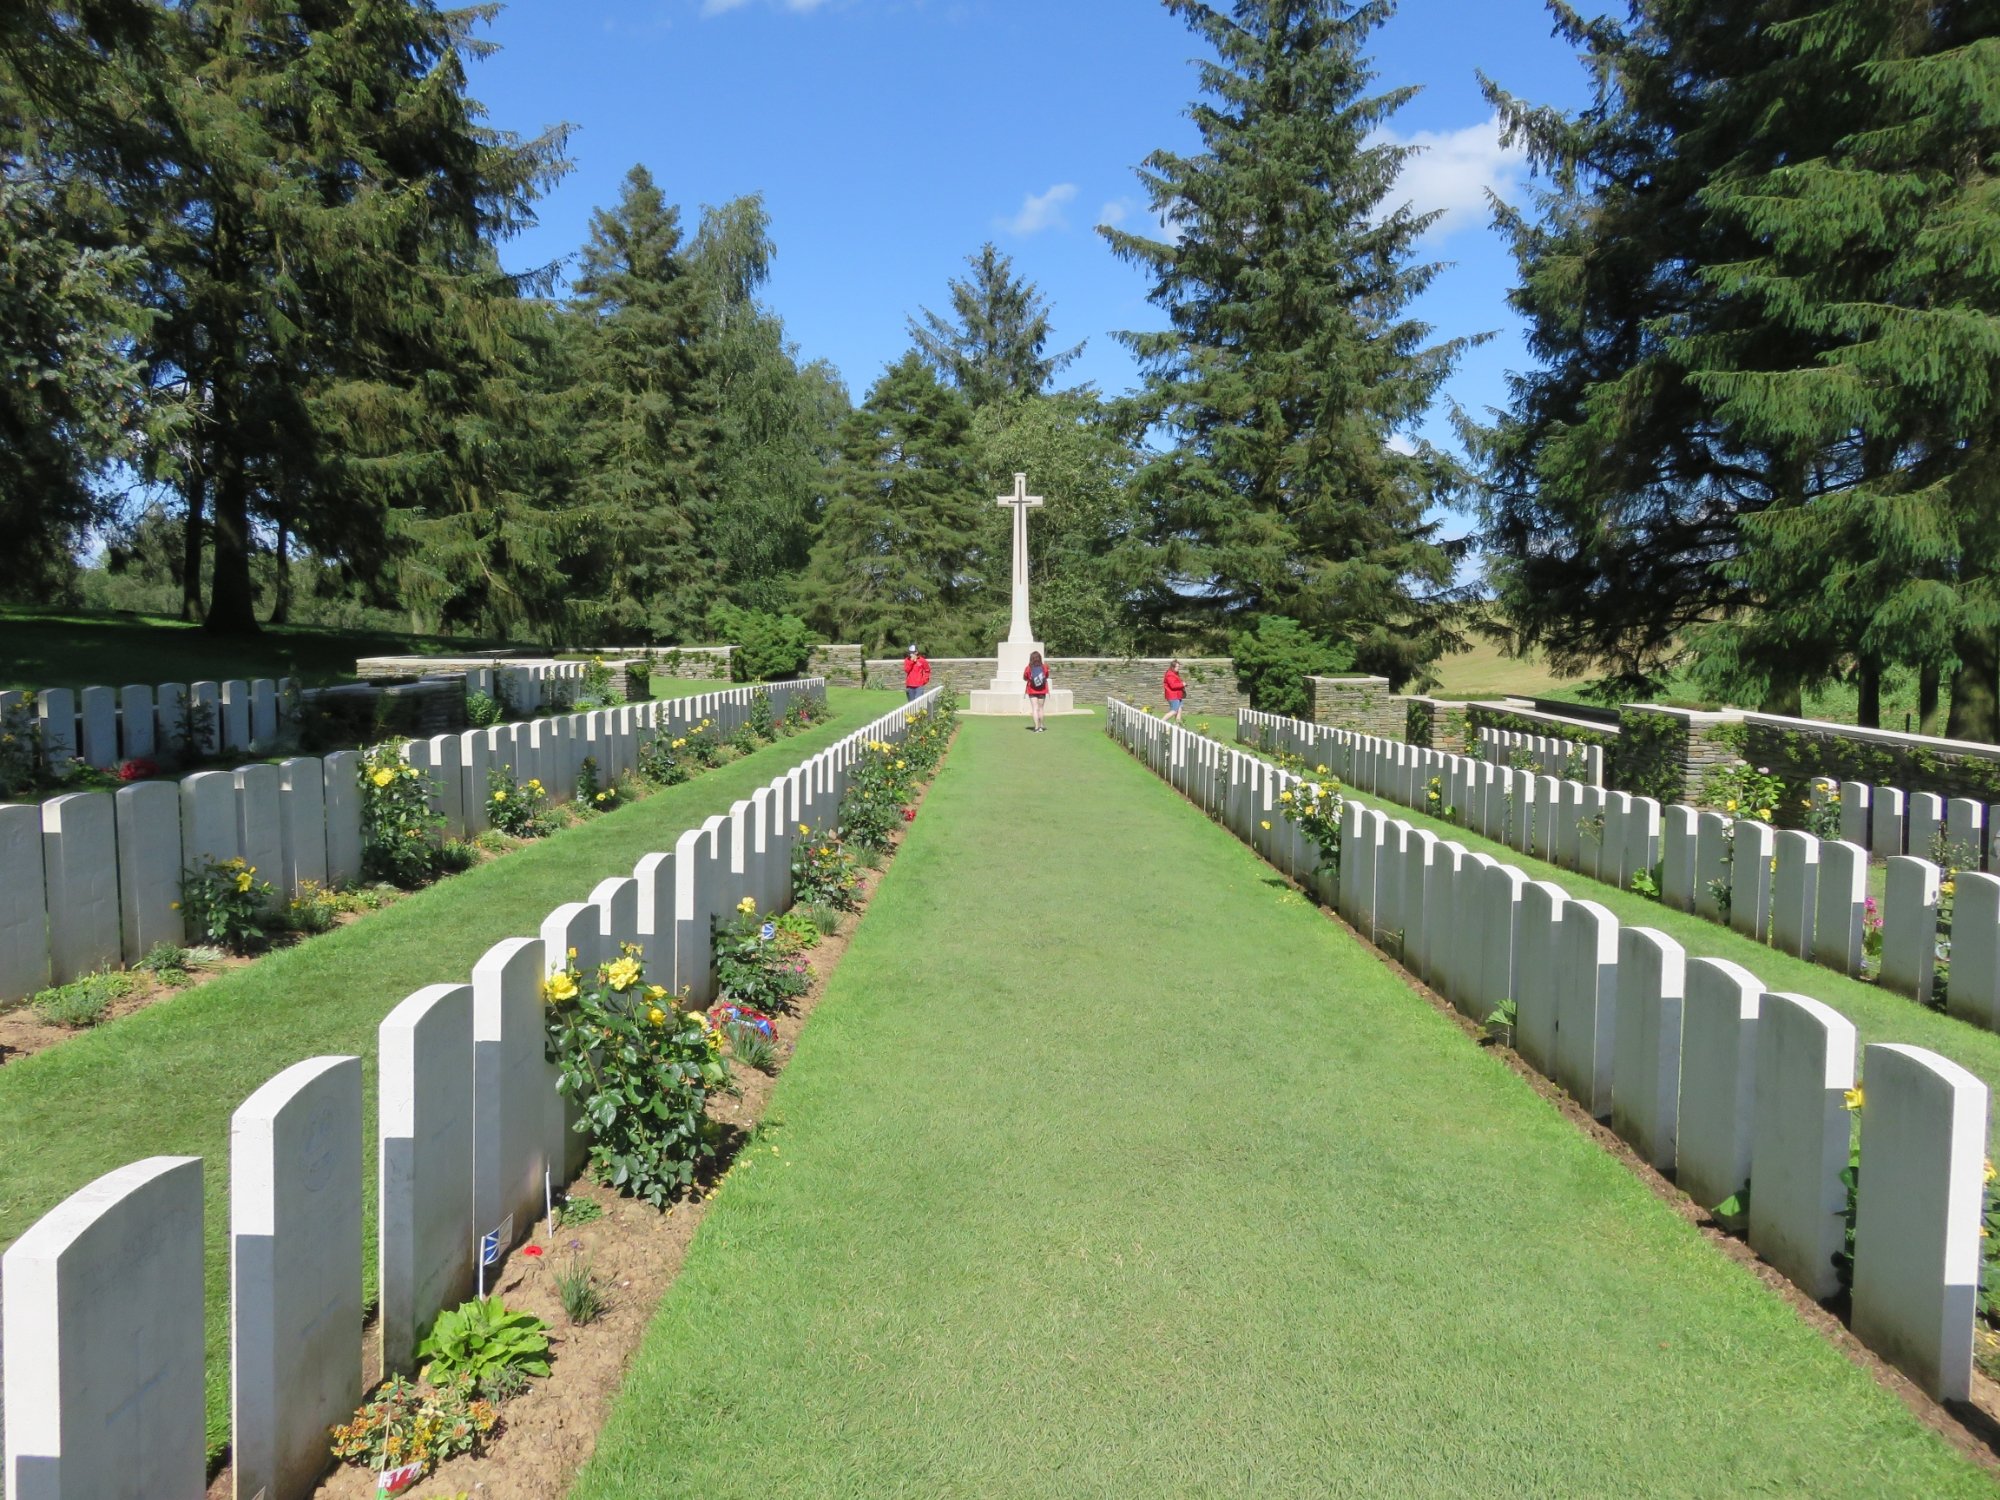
<point x="1036" y="677"/>
<point x="1175" y="690"/>
<point x="916" y="674"/>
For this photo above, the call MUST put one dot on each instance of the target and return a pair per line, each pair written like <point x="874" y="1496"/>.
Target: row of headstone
<point x="92" y="880"/>
<point x="101" y="1308"/>
<point x="534" y="688"/>
<point x="1691" y="1060"/>
<point x="105" y="726"/>
<point x="1805" y="895"/>
<point x="1886" y="822"/>
<point x="1542" y="753"/>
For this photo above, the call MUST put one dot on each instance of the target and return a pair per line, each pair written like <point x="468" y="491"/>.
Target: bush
<point x="83" y="1001"/>
<point x="404" y="1424"/>
<point x="873" y="807"/>
<point x="753" y="966"/>
<point x="768" y="647"/>
<point x="762" y="723"/>
<point x="399" y="832"/>
<point x="640" y="1071"/>
<point x="479" y="1338"/>
<point x="517" y="808"/>
<point x="481" y="709"/>
<point x="823" y="872"/>
<point x="223" y="902"/>
<point x="594" y="793"/>
<point x="1273" y="662"/>
<point x="664" y="761"/>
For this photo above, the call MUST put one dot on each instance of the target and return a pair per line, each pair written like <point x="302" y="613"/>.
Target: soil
<point x="547" y="1433"/>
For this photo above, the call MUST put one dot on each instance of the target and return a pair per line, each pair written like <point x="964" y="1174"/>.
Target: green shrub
<point x="823" y="872"/>
<point x="582" y="1298"/>
<point x="762" y="724"/>
<point x="223" y="902"/>
<point x="754" y="967"/>
<point x="399" y="832"/>
<point x="768" y="647"/>
<point x="520" y="809"/>
<point x="640" y="1071"/>
<point x="83" y="1001"/>
<point x="403" y="1423"/>
<point x="664" y="761"/>
<point x="481" y="709"/>
<point x="1273" y="662"/>
<point x="480" y="1336"/>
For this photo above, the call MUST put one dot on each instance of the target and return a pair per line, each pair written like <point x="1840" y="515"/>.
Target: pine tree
<point x="1878" y="257"/>
<point x="898" y="559"/>
<point x="993" y="346"/>
<point x="649" y="422"/>
<point x="1291" y="362"/>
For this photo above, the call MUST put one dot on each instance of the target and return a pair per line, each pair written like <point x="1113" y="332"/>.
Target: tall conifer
<point x="995" y="343"/>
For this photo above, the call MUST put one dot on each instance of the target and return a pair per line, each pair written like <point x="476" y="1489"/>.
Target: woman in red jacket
<point x="916" y="674"/>
<point x="1175" y="690"/>
<point x="1036" y="676"/>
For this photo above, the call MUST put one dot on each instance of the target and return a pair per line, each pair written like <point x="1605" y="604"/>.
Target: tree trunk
<point x="1868" y="693"/>
<point x="1927" y="698"/>
<point x="281" y="594"/>
<point x="232" y="601"/>
<point x="191" y="548"/>
<point x="1975" y="689"/>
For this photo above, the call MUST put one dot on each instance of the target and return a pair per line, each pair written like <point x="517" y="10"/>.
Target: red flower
<point x="137" y="769"/>
<point x="531" y="1249"/>
<point x="909" y="815"/>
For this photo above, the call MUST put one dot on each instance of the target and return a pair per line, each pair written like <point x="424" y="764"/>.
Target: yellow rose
<point x="499" y="796"/>
<point x="243" y="882"/>
<point x="383" y="778"/>
<point x="656" y="1015"/>
<point x="1854" y="1098"/>
<point x="622" y="974"/>
<point x="1265" y="826"/>
<point x="748" y="906"/>
<point x="656" y="992"/>
<point x="559" y="989"/>
<point x="409" y="770"/>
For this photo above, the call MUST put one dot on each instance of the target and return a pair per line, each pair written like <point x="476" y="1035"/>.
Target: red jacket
<point x="1173" y="684"/>
<point x="916" y="671"/>
<point x="1027" y="676"/>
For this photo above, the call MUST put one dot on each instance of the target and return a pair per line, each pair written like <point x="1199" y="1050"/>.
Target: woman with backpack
<point x="1174" y="690"/>
<point x="1036" y="676"/>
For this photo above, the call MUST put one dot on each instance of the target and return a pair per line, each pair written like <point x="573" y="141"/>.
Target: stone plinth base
<point x="1014" y="701"/>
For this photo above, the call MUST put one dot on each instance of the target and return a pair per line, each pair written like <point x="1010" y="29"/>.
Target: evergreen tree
<point x="898" y="557"/>
<point x="1290" y="362"/>
<point x="650" y="423"/>
<point x="992" y="346"/>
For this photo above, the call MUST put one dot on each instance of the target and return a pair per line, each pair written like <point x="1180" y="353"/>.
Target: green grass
<point x="166" y="1080"/>
<point x="1878" y="1015"/>
<point x="685" y="687"/>
<point x="84" y="648"/>
<point x="1108" y="1166"/>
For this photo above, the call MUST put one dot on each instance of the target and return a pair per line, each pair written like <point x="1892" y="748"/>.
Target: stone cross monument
<point x="1006" y="693"/>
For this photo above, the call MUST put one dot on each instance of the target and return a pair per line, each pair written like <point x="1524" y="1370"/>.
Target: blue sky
<point x="890" y="138"/>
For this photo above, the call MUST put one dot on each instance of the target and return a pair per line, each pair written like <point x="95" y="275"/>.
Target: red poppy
<point x="909" y="815"/>
<point x="531" y="1249"/>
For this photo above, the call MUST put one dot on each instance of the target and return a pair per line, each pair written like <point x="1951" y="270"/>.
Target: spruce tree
<point x="1291" y="361"/>
<point x="898" y="559"/>
<point x="993" y="346"/>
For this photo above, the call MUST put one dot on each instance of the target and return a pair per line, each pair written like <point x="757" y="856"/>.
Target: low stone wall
<point x="1800" y="749"/>
<point x="1363" y="704"/>
<point x="693" y="663"/>
<point x="842" y="666"/>
<point x="1211" y="681"/>
<point x="361" y="713"/>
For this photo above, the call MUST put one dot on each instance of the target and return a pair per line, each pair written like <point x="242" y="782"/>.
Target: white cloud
<point x="1114" y="213"/>
<point x="1452" y="172"/>
<point x="1402" y="443"/>
<point x="1041" y="211"/>
<point x="1132" y="214"/>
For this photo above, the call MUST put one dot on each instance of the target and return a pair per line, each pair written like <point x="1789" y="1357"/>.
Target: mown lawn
<point x="1108" y="1166"/>
<point x="166" y="1080"/>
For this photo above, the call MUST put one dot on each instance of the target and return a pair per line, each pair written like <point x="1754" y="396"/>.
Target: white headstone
<point x="1646" y="1054"/>
<point x="1974" y="992"/>
<point x="97" y="709"/>
<point x="1840" y="906"/>
<point x="170" y="721"/>
<point x="148" y="819"/>
<point x="1794" y="892"/>
<point x="1925" y="823"/>
<point x="80" y="876"/>
<point x="511" y="1084"/>
<point x="427" y="1234"/>
<point x="295" y="1273"/>
<point x="1854" y="813"/>
<point x="1537" y="971"/>
<point x="1500" y="902"/>
<point x="136" y="729"/>
<point x="204" y="719"/>
<point x="343" y="817"/>
<point x="302" y="824"/>
<point x="1718" y="1079"/>
<point x="24" y="929"/>
<point x="1750" y="879"/>
<point x="1640" y="851"/>
<point x="1799" y="1138"/>
<point x="55" y="714"/>
<point x="1587" y="1004"/>
<point x="263" y="713"/>
<point x="1917" y="1248"/>
<point x="1965" y="831"/>
<point x="1909" y="927"/>
<point x="1419" y="849"/>
<point x="617" y="901"/>
<point x="1678" y="860"/>
<point x="101" y="1300"/>
<point x="260" y="827"/>
<point x="235" y="715"/>
<point x="475" y="759"/>
<point x="1886" y="827"/>
<point x="209" y="830"/>
<point x="1712" y="873"/>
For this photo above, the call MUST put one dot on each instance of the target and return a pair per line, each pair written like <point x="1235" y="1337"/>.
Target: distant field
<point x="82" y="648"/>
<point x="1484" y="672"/>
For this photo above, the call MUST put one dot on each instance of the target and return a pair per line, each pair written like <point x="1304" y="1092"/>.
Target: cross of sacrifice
<point x="1018" y="628"/>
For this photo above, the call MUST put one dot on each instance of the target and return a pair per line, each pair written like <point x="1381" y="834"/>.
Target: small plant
<point x="762" y="723"/>
<point x="595" y="690"/>
<point x="480" y="1336"/>
<point x="1741" y="791"/>
<point x="1646" y="883"/>
<point x="1871" y="930"/>
<point x="454" y="857"/>
<point x="582" y="1298"/>
<point x="83" y="1001"/>
<point x="879" y="787"/>
<point x="576" y="1211"/>
<point x="405" y="1424"/>
<point x="20" y="747"/>
<point x="752" y="968"/>
<point x="1315" y="807"/>
<point x="1822" y="814"/>
<point x="481" y="709"/>
<point x="702" y="747"/>
<point x="823" y="871"/>
<point x="743" y="741"/>
<point x="825" y="918"/>
<point x="517" y="808"/>
<point x="399" y="831"/>
<point x="664" y="761"/>
<point x="1500" y="1024"/>
<point x="797" y="928"/>
<point x="751" y="1046"/>
<point x="169" y="963"/>
<point x="223" y="902"/>
<point x="316" y="908"/>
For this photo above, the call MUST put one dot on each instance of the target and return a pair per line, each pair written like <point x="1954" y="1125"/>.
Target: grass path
<point x="1109" y="1167"/>
<point x="165" y="1080"/>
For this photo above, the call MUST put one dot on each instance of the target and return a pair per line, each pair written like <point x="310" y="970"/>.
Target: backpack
<point x="1037" y="678"/>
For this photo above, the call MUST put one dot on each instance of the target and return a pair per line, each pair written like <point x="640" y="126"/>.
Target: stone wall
<point x="1211" y="681"/>
<point x="841" y="666"/>
<point x="1363" y="704"/>
<point x="1800" y="749"/>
